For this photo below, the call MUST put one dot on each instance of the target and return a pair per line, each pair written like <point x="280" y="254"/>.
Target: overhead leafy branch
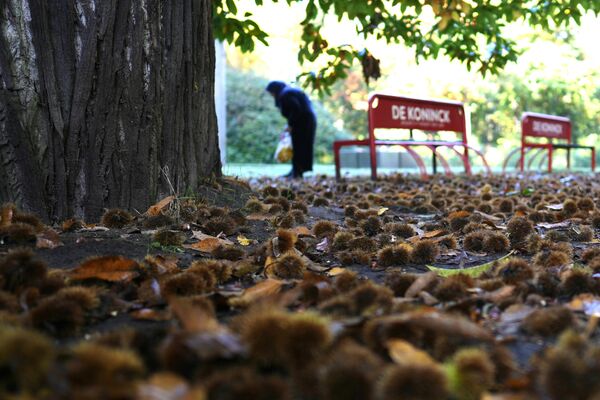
<point x="470" y="31"/>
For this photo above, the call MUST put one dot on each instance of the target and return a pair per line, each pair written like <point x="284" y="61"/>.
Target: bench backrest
<point x="395" y="112"/>
<point x="545" y="126"/>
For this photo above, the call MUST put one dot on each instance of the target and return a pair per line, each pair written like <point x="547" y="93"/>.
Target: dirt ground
<point x="458" y="288"/>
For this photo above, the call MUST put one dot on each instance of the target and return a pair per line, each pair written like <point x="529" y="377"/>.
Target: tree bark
<point x="104" y="103"/>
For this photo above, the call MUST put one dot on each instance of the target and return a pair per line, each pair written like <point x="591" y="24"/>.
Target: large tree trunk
<point x="104" y="103"/>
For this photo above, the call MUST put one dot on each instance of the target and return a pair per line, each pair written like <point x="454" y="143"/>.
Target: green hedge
<point x="254" y="123"/>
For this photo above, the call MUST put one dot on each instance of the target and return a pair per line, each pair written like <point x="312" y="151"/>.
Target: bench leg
<point x="336" y="159"/>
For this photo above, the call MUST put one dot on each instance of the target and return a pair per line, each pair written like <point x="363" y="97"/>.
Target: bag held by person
<point x="284" y="151"/>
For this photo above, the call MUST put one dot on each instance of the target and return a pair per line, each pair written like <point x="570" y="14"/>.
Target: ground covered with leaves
<point x="452" y="288"/>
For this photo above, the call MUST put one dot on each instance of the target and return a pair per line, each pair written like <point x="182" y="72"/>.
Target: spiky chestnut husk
<point x="26" y="359"/>
<point x="400" y="229"/>
<point x="474" y="227"/>
<point x="363" y="205"/>
<point x="116" y="218"/>
<point x="590" y="253"/>
<point x="485" y="208"/>
<point x="341" y="241"/>
<point x="105" y="371"/>
<point x="228" y="252"/>
<point x="518" y="229"/>
<point x="595" y="220"/>
<point x="551" y="258"/>
<point x="350" y="210"/>
<point x="285" y="221"/>
<point x="515" y="270"/>
<point x="220" y="224"/>
<point x="453" y="287"/>
<point x="275" y="209"/>
<point x="346" y="281"/>
<point x="570" y="369"/>
<point x="575" y="282"/>
<point x="245" y="383"/>
<point x="168" y="237"/>
<point x="270" y="191"/>
<point x="59" y="317"/>
<point x="416" y="381"/>
<point x="556" y="236"/>
<point x="277" y="338"/>
<point x="394" y="255"/>
<point x="324" y="228"/>
<point x="505" y="206"/>
<point x="20" y="269"/>
<point x="29" y="219"/>
<point x="448" y="242"/>
<point x="548" y="321"/>
<point x="300" y="206"/>
<point x="286" y="240"/>
<point x="371" y="226"/>
<point x="583" y="234"/>
<point x="320" y="202"/>
<point x="458" y="223"/>
<point x="17" y="233"/>
<point x="470" y="373"/>
<point x="350" y="373"/>
<point x="299" y="216"/>
<point x="253" y="205"/>
<point x="474" y="241"/>
<point x="569" y="207"/>
<point x="371" y="298"/>
<point x="158" y="221"/>
<point x="496" y="242"/>
<point x="289" y="266"/>
<point x="363" y="243"/>
<point x="586" y="204"/>
<point x="185" y="284"/>
<point x="399" y="282"/>
<point x="220" y="270"/>
<point x="424" y="252"/>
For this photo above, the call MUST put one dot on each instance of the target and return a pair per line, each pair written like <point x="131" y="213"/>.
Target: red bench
<point x="394" y="112"/>
<point x="551" y="128"/>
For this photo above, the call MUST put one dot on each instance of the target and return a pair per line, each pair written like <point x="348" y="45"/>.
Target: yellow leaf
<point x="336" y="271"/>
<point x="243" y="240"/>
<point x="382" y="210"/>
<point x="472" y="271"/>
<point x="404" y="353"/>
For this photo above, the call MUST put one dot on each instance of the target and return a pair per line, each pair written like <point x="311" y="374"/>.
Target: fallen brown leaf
<point x="261" y="291"/>
<point x="458" y="214"/>
<point x="205" y="245"/>
<point x="163" y="386"/>
<point x="48" y="239"/>
<point x="435" y="233"/>
<point x="107" y="268"/>
<point x="158" y="207"/>
<point x="160" y="264"/>
<point x="150" y="314"/>
<point x="420" y="283"/>
<point x="302" y="231"/>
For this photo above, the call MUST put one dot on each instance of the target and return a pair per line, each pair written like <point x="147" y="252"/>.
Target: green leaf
<point x="471" y="271"/>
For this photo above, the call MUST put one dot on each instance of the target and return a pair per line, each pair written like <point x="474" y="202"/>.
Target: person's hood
<point x="276" y="87"/>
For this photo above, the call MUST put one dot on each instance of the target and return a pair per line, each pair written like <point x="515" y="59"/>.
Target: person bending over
<point x="295" y="106"/>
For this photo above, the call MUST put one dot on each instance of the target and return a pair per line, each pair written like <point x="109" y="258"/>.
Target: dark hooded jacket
<point x="296" y="107"/>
